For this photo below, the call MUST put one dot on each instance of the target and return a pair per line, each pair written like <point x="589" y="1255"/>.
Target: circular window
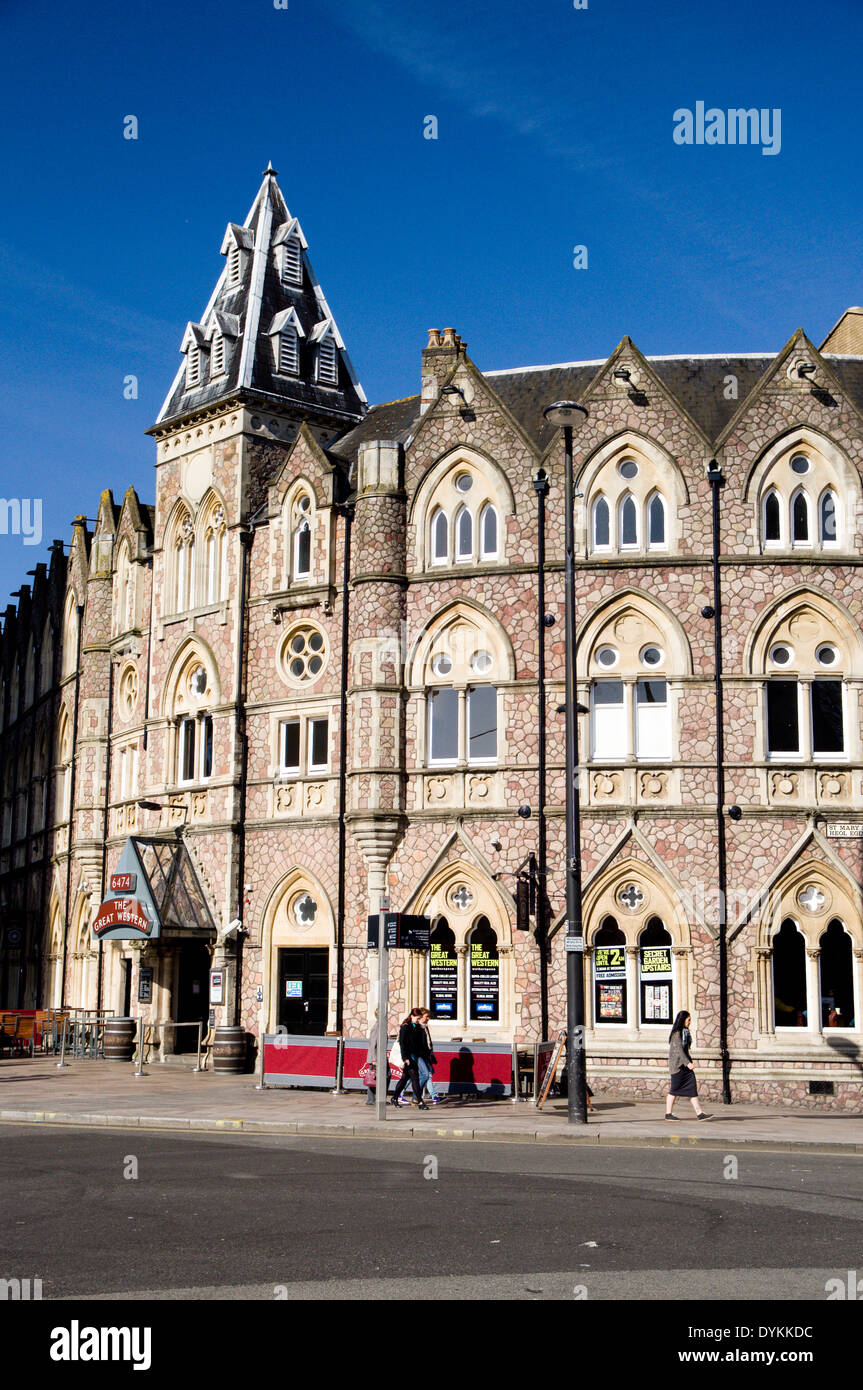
<point x="826" y="655"/>
<point x="780" y="654"/>
<point x="800" y="464"/>
<point x="305" y="504"/>
<point x="481" y="663"/>
<point x="304" y="654"/>
<point x="464" y="482"/>
<point x="607" y="656"/>
<point x="628" y="469"/>
<point x="442" y="664"/>
<point x="652" y="656"/>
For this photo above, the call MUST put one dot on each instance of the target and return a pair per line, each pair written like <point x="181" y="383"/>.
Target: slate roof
<point x="247" y="311"/>
<point x="696" y="383"/>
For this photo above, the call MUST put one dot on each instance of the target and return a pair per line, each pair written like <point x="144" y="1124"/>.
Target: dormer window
<point x="291" y="262"/>
<point x="193" y="367"/>
<point x="288" y="351"/>
<point x="234" y="266"/>
<point x="328" y="363"/>
<point x="217" y="356"/>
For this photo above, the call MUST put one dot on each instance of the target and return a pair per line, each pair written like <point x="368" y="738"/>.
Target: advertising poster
<point x="657" y="1003"/>
<point x="484" y="983"/>
<point x="611" y="1003"/>
<point x="443" y="981"/>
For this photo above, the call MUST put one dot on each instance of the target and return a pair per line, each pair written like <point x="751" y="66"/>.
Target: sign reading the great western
<point x="122" y="912"/>
<point x="129" y="912"/>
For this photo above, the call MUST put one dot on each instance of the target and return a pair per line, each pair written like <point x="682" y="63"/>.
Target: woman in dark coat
<point x="681" y="1068"/>
<point x="411" y="1042"/>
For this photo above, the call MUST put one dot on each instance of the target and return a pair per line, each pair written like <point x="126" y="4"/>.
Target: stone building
<point x="329" y="665"/>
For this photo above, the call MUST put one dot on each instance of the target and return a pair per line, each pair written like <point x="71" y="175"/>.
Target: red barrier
<point x="473" y="1069"/>
<point x="294" y="1060"/>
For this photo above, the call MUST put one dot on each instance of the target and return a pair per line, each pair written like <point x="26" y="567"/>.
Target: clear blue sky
<point x="555" y="129"/>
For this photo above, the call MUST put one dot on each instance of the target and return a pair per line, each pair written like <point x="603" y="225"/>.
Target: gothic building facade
<point x="328" y="665"/>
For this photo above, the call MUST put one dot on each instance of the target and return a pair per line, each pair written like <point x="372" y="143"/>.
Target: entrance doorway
<point x="192" y="994"/>
<point x="126" y="1008"/>
<point x="304" y="989"/>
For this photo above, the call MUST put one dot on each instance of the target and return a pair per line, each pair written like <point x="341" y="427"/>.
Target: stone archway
<point x="298" y="917"/>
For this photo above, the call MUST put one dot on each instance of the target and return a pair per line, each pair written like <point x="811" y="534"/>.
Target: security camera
<point x="496" y="842"/>
<point x="524" y="812"/>
<point x="231" y="930"/>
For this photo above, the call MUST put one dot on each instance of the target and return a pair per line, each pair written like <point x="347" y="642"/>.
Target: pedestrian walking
<point x="681" y="1067"/>
<point x="427" y="1060"/>
<point x="370" y="1070"/>
<point x="411" y="1040"/>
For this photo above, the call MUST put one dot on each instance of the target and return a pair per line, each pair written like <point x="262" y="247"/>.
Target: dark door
<point x="193" y="993"/>
<point x="127" y="989"/>
<point x="304" y="989"/>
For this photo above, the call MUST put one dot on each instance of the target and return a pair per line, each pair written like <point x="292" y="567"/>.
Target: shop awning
<point x="154" y="887"/>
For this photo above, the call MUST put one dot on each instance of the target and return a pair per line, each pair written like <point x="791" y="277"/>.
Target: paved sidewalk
<point x="35" y="1090"/>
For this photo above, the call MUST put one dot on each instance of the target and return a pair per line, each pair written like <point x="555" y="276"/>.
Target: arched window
<point x="805" y="713"/>
<point x="656" y="521"/>
<point x="124" y="618"/>
<point x="628" y="523"/>
<point x="440" y="537"/>
<point x="14" y="690"/>
<point x="601" y="524"/>
<point x="484" y="974"/>
<point x="827" y="519"/>
<point x="772" y="518"/>
<point x="40" y="782"/>
<point x="443" y="972"/>
<point x="789" y="977"/>
<point x="184" y="562"/>
<point x="29" y="677"/>
<point x="64" y="768"/>
<point x="609" y="973"/>
<point x="800" y="518"/>
<point x="464" y="534"/>
<point x="215" y="553"/>
<point x="836" y="963"/>
<point x="69" y="653"/>
<point x="488" y="532"/>
<point x="656" y="976"/>
<point x="46" y="658"/>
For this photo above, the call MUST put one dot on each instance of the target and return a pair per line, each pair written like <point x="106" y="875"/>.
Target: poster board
<point x="551" y="1071"/>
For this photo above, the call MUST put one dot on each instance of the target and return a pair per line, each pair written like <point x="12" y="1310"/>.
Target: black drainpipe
<point x="347" y="513"/>
<point x="540" y="484"/>
<point x="108" y="761"/>
<point x="80" y="611"/>
<point x="716" y="480"/>
<point x="247" y="536"/>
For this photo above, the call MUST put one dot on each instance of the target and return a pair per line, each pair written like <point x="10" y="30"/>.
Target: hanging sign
<point x="122" y="916"/>
<point x="217" y="987"/>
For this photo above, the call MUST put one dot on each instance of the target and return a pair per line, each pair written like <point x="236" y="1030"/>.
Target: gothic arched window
<point x="601" y="524"/>
<point x="789" y="977"/>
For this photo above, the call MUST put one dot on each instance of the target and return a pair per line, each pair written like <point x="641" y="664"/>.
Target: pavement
<point x="35" y="1090"/>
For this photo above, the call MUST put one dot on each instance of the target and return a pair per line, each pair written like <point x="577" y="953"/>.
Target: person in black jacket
<point x="681" y="1068"/>
<point x="411" y="1042"/>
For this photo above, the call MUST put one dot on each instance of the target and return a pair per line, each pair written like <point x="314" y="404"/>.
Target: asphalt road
<point x="208" y="1217"/>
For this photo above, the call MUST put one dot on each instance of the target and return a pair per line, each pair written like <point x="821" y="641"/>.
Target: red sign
<point x="121" y="912"/>
<point x="123" y="883"/>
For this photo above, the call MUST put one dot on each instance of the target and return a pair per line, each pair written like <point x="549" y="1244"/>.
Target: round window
<point x="305" y="504"/>
<point x="628" y="469"/>
<point x="481" y="663"/>
<point x="464" y="482"/>
<point x="800" y="464"/>
<point x="652" y="656"/>
<point x="607" y="656"/>
<point x="442" y="664"/>
<point x="304" y="654"/>
<point x="826" y="655"/>
<point x="780" y="654"/>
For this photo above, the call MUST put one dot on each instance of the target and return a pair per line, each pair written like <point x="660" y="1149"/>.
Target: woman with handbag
<point x="411" y="1039"/>
<point x="369" y="1072"/>
<point x="681" y="1067"/>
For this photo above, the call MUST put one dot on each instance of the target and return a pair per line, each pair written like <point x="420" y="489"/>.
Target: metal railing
<point x="144" y="1041"/>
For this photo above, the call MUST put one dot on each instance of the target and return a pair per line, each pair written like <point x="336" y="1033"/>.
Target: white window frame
<point x="596" y="544"/>
<point x="808" y="543"/>
<point x="304" y="767"/>
<point x="304" y="525"/>
<point x="621" y="722"/>
<point x="628" y="545"/>
<point x="198" y="722"/>
<point x="825" y="544"/>
<point x="486" y="509"/>
<point x="464" y="556"/>
<point x="656" y="496"/>
<point x="778" y="544"/>
<point x="639" y="733"/>
<point x="439" y="515"/>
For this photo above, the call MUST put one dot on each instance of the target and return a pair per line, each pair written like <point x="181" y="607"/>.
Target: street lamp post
<point x="565" y="415"/>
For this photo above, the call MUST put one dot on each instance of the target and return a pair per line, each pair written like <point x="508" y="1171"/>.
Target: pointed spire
<point x="270" y="170"/>
<point x="267" y="329"/>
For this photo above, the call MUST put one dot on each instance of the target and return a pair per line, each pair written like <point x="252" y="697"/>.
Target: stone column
<point x="813" y="991"/>
<point x="632" y="992"/>
<point x="763" y="983"/>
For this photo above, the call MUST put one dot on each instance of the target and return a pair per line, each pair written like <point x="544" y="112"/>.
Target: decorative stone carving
<point x="314" y="796"/>
<point x="631" y="897"/>
<point x="199" y="804"/>
<point x="653" y="784"/>
<point x="461" y="897"/>
<point x="285" y="799"/>
<point x="832" y="784"/>
<point x="813" y="900"/>
<point x="784" y="784"/>
<point x="606" y="786"/>
<point x="437" y="788"/>
<point x="479" y="788"/>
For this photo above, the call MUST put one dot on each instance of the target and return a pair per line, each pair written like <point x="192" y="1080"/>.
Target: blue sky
<point x="554" y="130"/>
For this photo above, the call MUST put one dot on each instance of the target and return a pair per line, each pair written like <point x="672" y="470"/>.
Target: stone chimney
<point x="439" y="357"/>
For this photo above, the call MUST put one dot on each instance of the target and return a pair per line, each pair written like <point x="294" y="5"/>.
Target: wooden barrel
<point x="119" y="1045"/>
<point x="229" y="1050"/>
